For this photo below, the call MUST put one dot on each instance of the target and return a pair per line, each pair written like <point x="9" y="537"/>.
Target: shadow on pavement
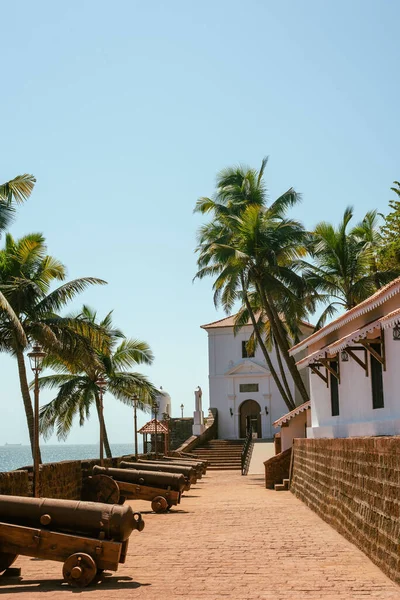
<point x="108" y="582"/>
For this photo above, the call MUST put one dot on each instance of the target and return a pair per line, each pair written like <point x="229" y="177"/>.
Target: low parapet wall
<point x="277" y="468"/>
<point x="210" y="433"/>
<point x="354" y="485"/>
<point x="57" y="480"/>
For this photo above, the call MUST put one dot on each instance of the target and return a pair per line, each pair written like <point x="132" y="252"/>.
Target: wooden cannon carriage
<point x="87" y="537"/>
<point x="157" y="465"/>
<point x="163" y="490"/>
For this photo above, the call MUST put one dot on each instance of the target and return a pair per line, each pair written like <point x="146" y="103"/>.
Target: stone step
<point x="216" y="453"/>
<point x="224" y="468"/>
<point x="228" y="464"/>
<point x="280" y="487"/>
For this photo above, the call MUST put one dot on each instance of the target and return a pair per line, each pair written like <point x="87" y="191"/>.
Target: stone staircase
<point x="282" y="487"/>
<point x="222" y="455"/>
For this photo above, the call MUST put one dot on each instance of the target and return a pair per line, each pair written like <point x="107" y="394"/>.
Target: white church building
<point x="241" y="387"/>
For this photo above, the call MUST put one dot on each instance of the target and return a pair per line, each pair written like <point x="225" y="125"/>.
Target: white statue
<point x="198" y="420"/>
<point x="197" y="395"/>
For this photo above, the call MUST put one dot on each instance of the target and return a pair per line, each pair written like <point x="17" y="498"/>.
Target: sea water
<point x="14" y="457"/>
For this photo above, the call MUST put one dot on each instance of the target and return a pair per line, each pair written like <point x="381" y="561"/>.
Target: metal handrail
<point x="246" y="448"/>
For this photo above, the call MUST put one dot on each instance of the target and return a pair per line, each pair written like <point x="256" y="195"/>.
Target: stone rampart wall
<point x="210" y="433"/>
<point x="277" y="468"/>
<point x="15" y="483"/>
<point x="354" y="485"/>
<point x="57" y="480"/>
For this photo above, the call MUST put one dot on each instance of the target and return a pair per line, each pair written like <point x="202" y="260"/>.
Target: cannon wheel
<point x="101" y="488"/>
<point x="6" y="560"/>
<point x="159" y="504"/>
<point x="79" y="570"/>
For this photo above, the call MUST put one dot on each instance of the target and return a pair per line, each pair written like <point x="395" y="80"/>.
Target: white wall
<point x="296" y="429"/>
<point x="225" y="352"/>
<point x="357" y="416"/>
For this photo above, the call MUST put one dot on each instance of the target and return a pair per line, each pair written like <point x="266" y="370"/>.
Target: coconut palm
<point x="344" y="268"/>
<point x="76" y="380"/>
<point x="26" y="273"/>
<point x="13" y="192"/>
<point x="253" y="248"/>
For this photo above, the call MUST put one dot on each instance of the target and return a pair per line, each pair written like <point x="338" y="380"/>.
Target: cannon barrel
<point x="162" y="466"/>
<point x="199" y="467"/>
<point x="92" y="519"/>
<point x="173" y="481"/>
<point x="191" y="461"/>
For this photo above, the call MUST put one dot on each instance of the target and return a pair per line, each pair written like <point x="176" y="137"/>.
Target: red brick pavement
<point x="230" y="538"/>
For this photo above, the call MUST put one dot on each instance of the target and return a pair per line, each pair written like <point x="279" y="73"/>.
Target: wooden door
<point x="249" y="417"/>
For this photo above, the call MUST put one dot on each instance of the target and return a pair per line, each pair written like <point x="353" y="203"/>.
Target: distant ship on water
<point x="7" y="444"/>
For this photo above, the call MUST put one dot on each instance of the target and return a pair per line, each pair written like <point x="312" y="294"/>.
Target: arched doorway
<point x="249" y="416"/>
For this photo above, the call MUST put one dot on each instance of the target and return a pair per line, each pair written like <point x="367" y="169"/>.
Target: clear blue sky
<point x="126" y="111"/>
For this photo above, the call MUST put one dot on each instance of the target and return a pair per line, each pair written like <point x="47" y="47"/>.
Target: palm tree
<point x="26" y="273"/>
<point x="13" y="192"/>
<point x="253" y="248"/>
<point x="76" y="380"/>
<point x="344" y="268"/>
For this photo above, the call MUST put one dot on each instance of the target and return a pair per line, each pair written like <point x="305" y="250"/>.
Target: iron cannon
<point x="163" y="490"/>
<point x="163" y="467"/>
<point x="199" y="466"/>
<point x="87" y="537"/>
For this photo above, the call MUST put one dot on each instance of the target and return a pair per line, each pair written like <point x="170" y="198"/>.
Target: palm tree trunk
<point x="281" y="338"/>
<point x="26" y="397"/>
<point x="102" y="423"/>
<point x="282" y="372"/>
<point x="289" y="403"/>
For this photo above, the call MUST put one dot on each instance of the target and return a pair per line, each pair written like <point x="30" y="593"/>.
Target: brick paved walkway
<point x="230" y="538"/>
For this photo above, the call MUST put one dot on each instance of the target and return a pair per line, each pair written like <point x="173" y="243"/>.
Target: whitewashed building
<point x="293" y="425"/>
<point x="354" y="369"/>
<point x="241" y="387"/>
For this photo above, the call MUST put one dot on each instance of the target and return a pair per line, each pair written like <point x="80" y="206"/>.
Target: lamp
<point x="266" y="410"/>
<point x="135" y="401"/>
<point x="155" y="409"/>
<point x="231" y="411"/>
<point x="396" y="332"/>
<point x="102" y="385"/>
<point x="182" y="407"/>
<point x="36" y="360"/>
<point x="344" y="357"/>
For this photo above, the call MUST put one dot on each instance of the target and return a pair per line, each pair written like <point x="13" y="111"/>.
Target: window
<point x="376" y="379"/>
<point x="245" y="354"/>
<point x="248" y="387"/>
<point x="334" y="387"/>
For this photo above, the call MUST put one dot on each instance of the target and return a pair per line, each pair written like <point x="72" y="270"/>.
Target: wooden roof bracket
<point x="326" y="362"/>
<point x="367" y="343"/>
<point x="315" y="369"/>
<point x="350" y="351"/>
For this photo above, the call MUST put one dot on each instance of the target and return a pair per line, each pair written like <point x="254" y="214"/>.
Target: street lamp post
<point x="101" y="384"/>
<point x="135" y="401"/>
<point x="155" y="408"/>
<point x="182" y="407"/>
<point x="166" y="436"/>
<point x="36" y="360"/>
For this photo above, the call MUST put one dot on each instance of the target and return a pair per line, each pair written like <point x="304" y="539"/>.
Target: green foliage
<point x="389" y="255"/>
<point x="76" y="379"/>
<point x="344" y="269"/>
<point x="248" y="247"/>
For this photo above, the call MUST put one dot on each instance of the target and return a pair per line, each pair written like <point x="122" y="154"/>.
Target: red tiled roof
<point x="230" y="322"/>
<point x="293" y="413"/>
<point x="383" y="294"/>
<point x="151" y="428"/>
